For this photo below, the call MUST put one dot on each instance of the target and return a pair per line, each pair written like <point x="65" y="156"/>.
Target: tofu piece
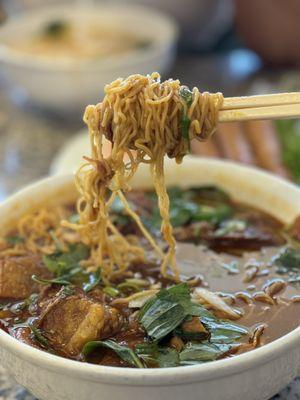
<point x="70" y="322"/>
<point x="16" y="273"/>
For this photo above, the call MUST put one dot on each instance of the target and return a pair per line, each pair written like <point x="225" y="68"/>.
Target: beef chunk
<point x="251" y="239"/>
<point x="47" y="294"/>
<point x="198" y="230"/>
<point x="16" y="273"/>
<point x="256" y="235"/>
<point x="70" y="322"/>
<point x="262" y="230"/>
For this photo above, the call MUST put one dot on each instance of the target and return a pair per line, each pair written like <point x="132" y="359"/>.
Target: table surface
<point x="29" y="139"/>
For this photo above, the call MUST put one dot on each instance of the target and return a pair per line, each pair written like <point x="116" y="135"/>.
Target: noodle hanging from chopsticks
<point x="144" y="119"/>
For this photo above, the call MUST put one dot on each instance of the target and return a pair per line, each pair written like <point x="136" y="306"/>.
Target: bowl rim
<point x="155" y="376"/>
<point x="110" y="62"/>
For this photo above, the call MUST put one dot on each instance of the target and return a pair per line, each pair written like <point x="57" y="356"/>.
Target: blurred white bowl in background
<point x="68" y="85"/>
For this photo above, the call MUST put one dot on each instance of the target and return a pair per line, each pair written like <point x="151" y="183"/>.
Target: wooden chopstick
<point x="265" y="100"/>
<point x="272" y="112"/>
<point x="270" y="106"/>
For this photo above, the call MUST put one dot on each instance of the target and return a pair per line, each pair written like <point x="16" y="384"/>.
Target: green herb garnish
<point x="111" y="291"/>
<point x="124" y="352"/>
<point x="195" y="353"/>
<point x="157" y="356"/>
<point x="221" y="331"/>
<point x="128" y="287"/>
<point x="14" y="239"/>
<point x="289" y="136"/>
<point x="67" y="291"/>
<point x="94" y="280"/>
<point x="209" y="194"/>
<point x="288" y="261"/>
<point x="56" y="241"/>
<point x="132" y="285"/>
<point x="30" y="303"/>
<point x="185" y="127"/>
<point x="187" y="97"/>
<point x="56" y="29"/>
<point x="38" y="336"/>
<point x="231" y="226"/>
<point x="57" y="281"/>
<point x="66" y="264"/>
<point x="183" y="212"/>
<point x="165" y="311"/>
<point x="188" y="206"/>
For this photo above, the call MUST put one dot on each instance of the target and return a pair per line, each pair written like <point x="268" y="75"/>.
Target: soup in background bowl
<point x="229" y="273"/>
<point x="75" y="51"/>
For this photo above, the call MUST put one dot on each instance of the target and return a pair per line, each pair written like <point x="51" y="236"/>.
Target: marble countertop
<point x="29" y="139"/>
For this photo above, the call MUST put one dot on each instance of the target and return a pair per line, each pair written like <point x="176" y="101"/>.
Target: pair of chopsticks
<point x="269" y="106"/>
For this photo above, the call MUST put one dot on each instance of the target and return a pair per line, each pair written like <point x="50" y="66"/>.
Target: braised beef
<point x="70" y="322"/>
<point x="16" y="273"/>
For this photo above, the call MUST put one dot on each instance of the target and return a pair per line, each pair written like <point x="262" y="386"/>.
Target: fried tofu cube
<point x="16" y="273"/>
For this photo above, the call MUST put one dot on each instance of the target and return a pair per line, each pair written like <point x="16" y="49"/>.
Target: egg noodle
<point x="40" y="232"/>
<point x="144" y="119"/>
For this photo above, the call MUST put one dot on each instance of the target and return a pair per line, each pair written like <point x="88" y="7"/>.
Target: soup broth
<point x="238" y="287"/>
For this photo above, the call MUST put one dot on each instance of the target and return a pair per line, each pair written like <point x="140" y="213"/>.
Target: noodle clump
<point x="144" y="119"/>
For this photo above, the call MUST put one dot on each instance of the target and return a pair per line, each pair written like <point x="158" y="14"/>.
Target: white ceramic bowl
<point x="256" y="375"/>
<point x="68" y="85"/>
